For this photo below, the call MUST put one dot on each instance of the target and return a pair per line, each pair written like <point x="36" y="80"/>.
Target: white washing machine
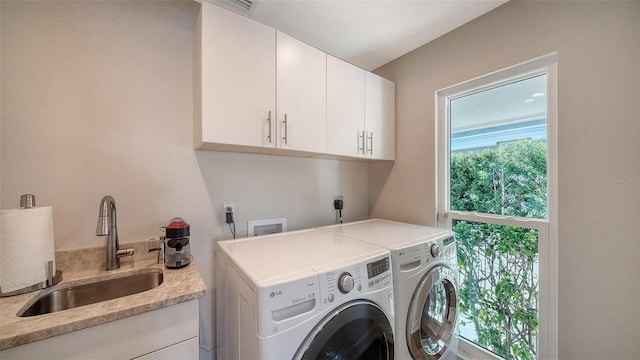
<point x="307" y="294"/>
<point x="425" y="284"/>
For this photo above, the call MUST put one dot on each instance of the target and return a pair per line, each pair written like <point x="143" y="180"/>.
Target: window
<point x="497" y="191"/>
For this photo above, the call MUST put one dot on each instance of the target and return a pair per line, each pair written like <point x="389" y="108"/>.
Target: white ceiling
<point x="366" y="33"/>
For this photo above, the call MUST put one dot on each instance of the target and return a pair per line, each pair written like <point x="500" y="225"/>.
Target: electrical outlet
<point x="229" y="207"/>
<point x="337" y="197"/>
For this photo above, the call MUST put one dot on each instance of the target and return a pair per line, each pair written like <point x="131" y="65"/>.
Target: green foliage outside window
<point x="499" y="264"/>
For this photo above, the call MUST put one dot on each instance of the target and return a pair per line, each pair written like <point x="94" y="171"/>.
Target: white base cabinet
<point x="166" y="333"/>
<point x="187" y="349"/>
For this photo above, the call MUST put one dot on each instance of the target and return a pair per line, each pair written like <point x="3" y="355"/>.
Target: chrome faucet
<point x="107" y="227"/>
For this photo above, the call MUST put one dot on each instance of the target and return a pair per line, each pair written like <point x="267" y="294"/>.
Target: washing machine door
<point x="355" y="330"/>
<point x="432" y="314"/>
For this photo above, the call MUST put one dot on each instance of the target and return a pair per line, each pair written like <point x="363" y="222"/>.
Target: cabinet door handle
<point x="370" y="138"/>
<point x="269" y="121"/>
<point x="285" y="130"/>
<point x="361" y="144"/>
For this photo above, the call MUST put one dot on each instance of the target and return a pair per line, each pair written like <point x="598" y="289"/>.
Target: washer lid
<point x="267" y="260"/>
<point x="389" y="234"/>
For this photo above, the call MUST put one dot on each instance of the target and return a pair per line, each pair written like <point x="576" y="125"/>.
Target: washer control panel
<point x="281" y="306"/>
<point x="345" y="283"/>
<point x="337" y="285"/>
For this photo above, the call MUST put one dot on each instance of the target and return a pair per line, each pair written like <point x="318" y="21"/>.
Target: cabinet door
<point x="237" y="80"/>
<point x="186" y="350"/>
<point x="380" y="117"/>
<point x="302" y="95"/>
<point x="345" y="108"/>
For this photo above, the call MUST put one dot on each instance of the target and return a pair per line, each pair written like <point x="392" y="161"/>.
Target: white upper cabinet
<point x="235" y="81"/>
<point x="301" y="95"/>
<point x="260" y="90"/>
<point x="345" y="108"/>
<point x="380" y="117"/>
<point x="360" y="112"/>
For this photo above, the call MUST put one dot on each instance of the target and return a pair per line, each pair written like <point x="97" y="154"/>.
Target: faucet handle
<point x="160" y="249"/>
<point x="125" y="252"/>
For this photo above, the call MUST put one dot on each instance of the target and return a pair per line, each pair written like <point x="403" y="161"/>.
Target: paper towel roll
<point x="26" y="246"/>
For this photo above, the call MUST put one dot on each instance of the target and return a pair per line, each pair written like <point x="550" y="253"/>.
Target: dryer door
<point x="432" y="314"/>
<point x="355" y="330"/>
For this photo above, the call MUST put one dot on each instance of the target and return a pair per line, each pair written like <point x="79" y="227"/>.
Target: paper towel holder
<point x="28" y="201"/>
<point x="51" y="280"/>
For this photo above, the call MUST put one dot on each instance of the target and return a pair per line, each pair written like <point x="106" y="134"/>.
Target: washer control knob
<point x="345" y="283"/>
<point x="435" y="251"/>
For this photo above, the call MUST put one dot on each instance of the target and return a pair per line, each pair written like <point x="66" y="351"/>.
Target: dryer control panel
<point x="449" y="251"/>
<point x="341" y="284"/>
<point x="415" y="258"/>
<point x="443" y="249"/>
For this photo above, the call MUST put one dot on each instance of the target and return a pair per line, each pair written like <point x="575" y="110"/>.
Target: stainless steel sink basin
<point x="79" y="295"/>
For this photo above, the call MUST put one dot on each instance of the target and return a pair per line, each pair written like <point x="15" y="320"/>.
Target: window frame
<point x="547" y="347"/>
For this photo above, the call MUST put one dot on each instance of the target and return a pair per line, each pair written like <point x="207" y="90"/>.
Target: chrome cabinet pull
<point x="370" y="138"/>
<point x="285" y="130"/>
<point x="361" y="144"/>
<point x="269" y="121"/>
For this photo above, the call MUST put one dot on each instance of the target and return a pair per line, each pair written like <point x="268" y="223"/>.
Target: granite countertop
<point x="87" y="265"/>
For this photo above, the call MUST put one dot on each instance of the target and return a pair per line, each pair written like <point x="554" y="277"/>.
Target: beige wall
<point x="97" y="99"/>
<point x="598" y="46"/>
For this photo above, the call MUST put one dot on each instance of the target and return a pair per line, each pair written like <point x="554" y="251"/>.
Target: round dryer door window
<point x="356" y="330"/>
<point x="432" y="314"/>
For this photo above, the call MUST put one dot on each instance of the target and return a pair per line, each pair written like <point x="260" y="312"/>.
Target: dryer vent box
<point x="266" y="226"/>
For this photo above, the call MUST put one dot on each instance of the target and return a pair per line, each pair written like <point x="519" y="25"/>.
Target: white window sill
<point x="470" y="351"/>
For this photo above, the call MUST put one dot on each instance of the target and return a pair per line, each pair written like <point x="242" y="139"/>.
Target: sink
<point x="80" y="295"/>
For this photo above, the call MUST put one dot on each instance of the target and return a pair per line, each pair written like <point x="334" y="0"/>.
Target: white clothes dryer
<point x="307" y="294"/>
<point x="425" y="284"/>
